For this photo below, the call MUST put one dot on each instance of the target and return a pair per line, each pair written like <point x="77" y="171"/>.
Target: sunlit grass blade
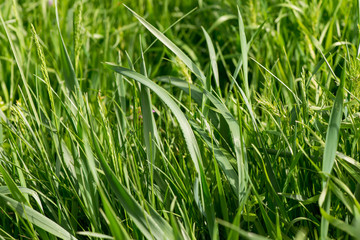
<point x="100" y="235"/>
<point x="249" y="44"/>
<point x="185" y="126"/>
<point x="212" y="55"/>
<point x="196" y="93"/>
<point x="5" y="190"/>
<point x="244" y="53"/>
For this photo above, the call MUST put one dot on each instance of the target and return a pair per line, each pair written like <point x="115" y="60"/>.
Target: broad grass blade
<point x="15" y="191"/>
<point x="36" y="218"/>
<point x="332" y="135"/>
<point x="331" y="144"/>
<point x="116" y="228"/>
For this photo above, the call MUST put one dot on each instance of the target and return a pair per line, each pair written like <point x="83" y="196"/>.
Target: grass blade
<point x="177" y="51"/>
<point x="244" y="53"/>
<point x="212" y="59"/>
<point x="68" y="69"/>
<point x="36" y="218"/>
<point x="331" y="144"/>
<point x="189" y="136"/>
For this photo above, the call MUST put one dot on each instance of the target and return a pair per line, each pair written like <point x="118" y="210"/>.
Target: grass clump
<point x="179" y="120"/>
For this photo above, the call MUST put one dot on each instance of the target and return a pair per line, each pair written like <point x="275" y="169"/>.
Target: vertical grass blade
<point x="68" y="70"/>
<point x="244" y="53"/>
<point x="23" y="78"/>
<point x="331" y="144"/>
<point x="212" y="54"/>
<point x="149" y="127"/>
<point x="332" y="134"/>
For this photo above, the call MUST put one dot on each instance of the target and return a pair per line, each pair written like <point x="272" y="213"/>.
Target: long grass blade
<point x="179" y="53"/>
<point x="35" y="218"/>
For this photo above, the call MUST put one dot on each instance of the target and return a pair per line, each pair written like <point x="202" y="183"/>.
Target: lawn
<point x="179" y="119"/>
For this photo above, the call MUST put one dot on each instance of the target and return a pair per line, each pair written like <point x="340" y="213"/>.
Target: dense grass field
<point x="179" y="119"/>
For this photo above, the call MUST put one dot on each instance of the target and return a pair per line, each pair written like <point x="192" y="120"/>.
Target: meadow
<point x="179" y="119"/>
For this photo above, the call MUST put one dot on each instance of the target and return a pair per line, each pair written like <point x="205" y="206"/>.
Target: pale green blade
<point x="212" y="58"/>
<point x="244" y="53"/>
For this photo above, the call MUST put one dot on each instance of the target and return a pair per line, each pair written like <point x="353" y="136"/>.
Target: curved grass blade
<point x="185" y="126"/>
<point x="189" y="136"/>
<point x="177" y="51"/>
<point x="352" y="230"/>
<point x="221" y="20"/>
<point x="196" y="93"/>
<point x="5" y="190"/>
<point x="36" y="218"/>
<point x="237" y="140"/>
<point x="220" y="157"/>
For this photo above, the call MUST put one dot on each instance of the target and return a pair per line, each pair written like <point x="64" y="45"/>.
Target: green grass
<point x="179" y="119"/>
